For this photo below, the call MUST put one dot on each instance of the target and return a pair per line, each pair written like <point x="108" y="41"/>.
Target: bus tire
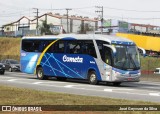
<point x="10" y="69"/>
<point x="40" y="73"/>
<point x="2" y="72"/>
<point x="92" y="77"/>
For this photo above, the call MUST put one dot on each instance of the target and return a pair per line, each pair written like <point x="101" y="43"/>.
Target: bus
<point x="90" y="57"/>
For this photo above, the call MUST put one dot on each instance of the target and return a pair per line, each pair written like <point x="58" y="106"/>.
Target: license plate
<point x="129" y="79"/>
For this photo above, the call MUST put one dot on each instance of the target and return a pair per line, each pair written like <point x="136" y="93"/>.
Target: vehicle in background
<point x="157" y="71"/>
<point x="11" y="65"/>
<point x="2" y="68"/>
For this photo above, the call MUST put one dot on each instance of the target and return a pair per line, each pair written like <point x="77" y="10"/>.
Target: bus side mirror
<point x="112" y="48"/>
<point x="142" y="51"/>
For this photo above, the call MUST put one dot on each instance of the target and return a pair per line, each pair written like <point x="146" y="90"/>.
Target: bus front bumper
<point x="122" y="78"/>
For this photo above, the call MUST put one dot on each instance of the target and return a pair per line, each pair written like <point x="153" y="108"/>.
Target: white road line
<point x="37" y="82"/>
<point x="154" y="94"/>
<point x="124" y="89"/>
<point x="54" y="82"/>
<point x="11" y="80"/>
<point x="68" y="86"/>
<point x="108" y="90"/>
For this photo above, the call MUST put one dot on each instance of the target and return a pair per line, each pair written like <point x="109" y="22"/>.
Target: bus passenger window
<point x="88" y="48"/>
<point x="74" y="47"/>
<point x="58" y="47"/>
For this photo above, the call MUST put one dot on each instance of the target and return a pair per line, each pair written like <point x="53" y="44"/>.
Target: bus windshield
<point x="127" y="58"/>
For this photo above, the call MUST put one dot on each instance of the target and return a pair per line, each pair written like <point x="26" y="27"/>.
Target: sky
<point x="133" y="11"/>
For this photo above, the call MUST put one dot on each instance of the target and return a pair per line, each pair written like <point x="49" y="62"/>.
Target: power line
<point x="65" y="8"/>
<point x="52" y="9"/>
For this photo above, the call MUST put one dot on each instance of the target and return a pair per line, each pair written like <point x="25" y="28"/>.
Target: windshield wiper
<point x="123" y="65"/>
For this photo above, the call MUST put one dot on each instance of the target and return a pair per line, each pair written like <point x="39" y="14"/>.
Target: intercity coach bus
<point x="91" y="57"/>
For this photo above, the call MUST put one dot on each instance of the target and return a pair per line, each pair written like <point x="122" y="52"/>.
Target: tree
<point x="45" y="28"/>
<point x="84" y="27"/>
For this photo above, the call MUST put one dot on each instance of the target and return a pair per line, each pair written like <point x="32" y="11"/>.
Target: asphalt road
<point x="143" y="90"/>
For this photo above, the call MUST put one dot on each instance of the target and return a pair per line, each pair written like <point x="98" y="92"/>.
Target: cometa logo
<point x="72" y="59"/>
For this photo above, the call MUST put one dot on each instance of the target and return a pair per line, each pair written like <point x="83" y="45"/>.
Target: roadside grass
<point x="150" y="63"/>
<point x="20" y="96"/>
<point x="9" y="48"/>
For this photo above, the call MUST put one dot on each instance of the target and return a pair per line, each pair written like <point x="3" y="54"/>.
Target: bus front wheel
<point x="40" y="73"/>
<point x="92" y="77"/>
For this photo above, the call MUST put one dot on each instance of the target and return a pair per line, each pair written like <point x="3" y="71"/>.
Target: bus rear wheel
<point x="40" y="73"/>
<point x="92" y="77"/>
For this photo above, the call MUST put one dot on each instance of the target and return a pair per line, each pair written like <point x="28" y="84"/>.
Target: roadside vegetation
<point x="9" y="48"/>
<point x="20" y="96"/>
<point x="150" y="63"/>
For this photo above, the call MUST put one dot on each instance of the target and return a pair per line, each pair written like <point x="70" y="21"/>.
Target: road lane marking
<point x="37" y="82"/>
<point x="124" y="89"/>
<point x="108" y="90"/>
<point x="68" y="86"/>
<point x="154" y="94"/>
<point x="11" y="80"/>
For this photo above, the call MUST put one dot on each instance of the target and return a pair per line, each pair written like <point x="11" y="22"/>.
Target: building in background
<point x="112" y="26"/>
<point x="58" y="23"/>
<point x="143" y="28"/>
<point x="17" y="27"/>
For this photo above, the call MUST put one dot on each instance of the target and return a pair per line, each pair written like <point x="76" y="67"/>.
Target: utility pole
<point x="100" y="11"/>
<point x="37" y="12"/>
<point x="67" y="9"/>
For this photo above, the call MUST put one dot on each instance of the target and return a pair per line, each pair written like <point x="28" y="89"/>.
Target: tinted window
<point x="79" y="47"/>
<point x="61" y="46"/>
<point x="74" y="47"/>
<point x="101" y="48"/>
<point x="57" y="47"/>
<point x="35" y="45"/>
<point x="89" y="48"/>
<point x="156" y="70"/>
<point x="14" y="62"/>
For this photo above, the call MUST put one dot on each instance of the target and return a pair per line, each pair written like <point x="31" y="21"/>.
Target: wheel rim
<point x="40" y="73"/>
<point x="92" y="77"/>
